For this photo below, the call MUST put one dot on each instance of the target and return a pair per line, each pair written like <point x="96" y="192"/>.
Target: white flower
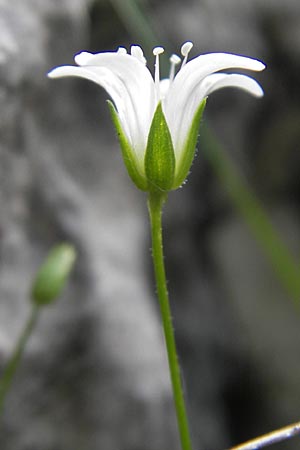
<point x="136" y="94"/>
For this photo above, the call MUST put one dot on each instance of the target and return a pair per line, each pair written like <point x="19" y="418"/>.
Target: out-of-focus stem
<point x="11" y="367"/>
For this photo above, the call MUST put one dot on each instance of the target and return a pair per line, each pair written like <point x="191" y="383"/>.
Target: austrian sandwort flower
<point x="157" y="120"/>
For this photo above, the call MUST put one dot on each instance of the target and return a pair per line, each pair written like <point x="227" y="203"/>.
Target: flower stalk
<point x="13" y="363"/>
<point x="156" y="201"/>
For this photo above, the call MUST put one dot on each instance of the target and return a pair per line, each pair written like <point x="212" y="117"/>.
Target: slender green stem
<point x="11" y="367"/>
<point x="155" y="204"/>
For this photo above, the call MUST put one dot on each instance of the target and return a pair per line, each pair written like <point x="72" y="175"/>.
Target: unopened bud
<point x="53" y="274"/>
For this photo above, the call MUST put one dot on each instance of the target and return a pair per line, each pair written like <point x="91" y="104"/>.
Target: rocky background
<point x="94" y="375"/>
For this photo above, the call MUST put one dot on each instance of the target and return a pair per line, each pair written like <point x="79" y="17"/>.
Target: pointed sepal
<point x="128" y="154"/>
<point x="186" y="158"/>
<point x="160" y="156"/>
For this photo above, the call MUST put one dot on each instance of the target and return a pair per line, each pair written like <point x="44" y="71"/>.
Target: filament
<point x="174" y="61"/>
<point x="156" y="52"/>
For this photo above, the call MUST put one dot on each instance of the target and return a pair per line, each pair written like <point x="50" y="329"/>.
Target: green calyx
<point x="185" y="160"/>
<point x="160" y="171"/>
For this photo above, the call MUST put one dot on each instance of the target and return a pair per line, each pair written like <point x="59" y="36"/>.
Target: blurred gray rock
<point x="268" y="333"/>
<point x="94" y="374"/>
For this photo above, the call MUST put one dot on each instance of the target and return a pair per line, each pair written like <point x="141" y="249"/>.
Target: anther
<point x="175" y="59"/>
<point x="185" y="50"/>
<point x="158" y="51"/>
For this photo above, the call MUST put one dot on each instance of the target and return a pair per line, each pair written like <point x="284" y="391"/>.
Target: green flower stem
<point x="155" y="204"/>
<point x="11" y="367"/>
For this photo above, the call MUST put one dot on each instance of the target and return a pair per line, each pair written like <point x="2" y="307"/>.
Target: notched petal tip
<point x="82" y="58"/>
<point x="122" y="51"/>
<point x="138" y="53"/>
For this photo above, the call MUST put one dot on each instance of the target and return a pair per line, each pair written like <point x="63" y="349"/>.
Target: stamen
<point x="185" y="50"/>
<point x="122" y="51"/>
<point x="137" y="52"/>
<point x="156" y="52"/>
<point x="174" y="61"/>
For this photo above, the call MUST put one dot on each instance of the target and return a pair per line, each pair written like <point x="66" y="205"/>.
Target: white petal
<point x="164" y="87"/>
<point x="220" y="80"/>
<point x="139" y="83"/>
<point x="130" y="84"/>
<point x="73" y="71"/>
<point x="180" y="105"/>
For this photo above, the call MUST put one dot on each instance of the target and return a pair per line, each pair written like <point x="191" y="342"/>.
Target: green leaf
<point x="129" y="157"/>
<point x="159" y="157"/>
<point x="53" y="274"/>
<point x="185" y="161"/>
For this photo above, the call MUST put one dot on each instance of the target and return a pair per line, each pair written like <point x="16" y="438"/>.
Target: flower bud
<point x="53" y="274"/>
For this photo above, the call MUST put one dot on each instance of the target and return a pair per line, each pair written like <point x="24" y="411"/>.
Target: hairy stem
<point x="155" y="204"/>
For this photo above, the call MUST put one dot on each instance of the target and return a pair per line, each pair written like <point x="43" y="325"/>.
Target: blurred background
<point x="94" y="375"/>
